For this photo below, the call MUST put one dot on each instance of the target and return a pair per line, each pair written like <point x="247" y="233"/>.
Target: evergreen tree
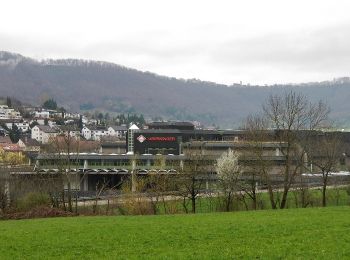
<point x="80" y="124"/>
<point x="63" y="111"/>
<point x="15" y="133"/>
<point x="50" y="104"/>
<point x="9" y="102"/>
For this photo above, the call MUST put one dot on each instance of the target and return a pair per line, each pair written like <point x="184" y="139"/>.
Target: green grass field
<point x="294" y="233"/>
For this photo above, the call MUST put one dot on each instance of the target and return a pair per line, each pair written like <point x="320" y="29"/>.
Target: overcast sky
<point x="256" y="42"/>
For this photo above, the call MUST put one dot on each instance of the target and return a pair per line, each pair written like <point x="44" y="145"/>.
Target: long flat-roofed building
<point x="163" y="150"/>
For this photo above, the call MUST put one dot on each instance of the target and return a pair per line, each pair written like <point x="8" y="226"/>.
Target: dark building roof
<point x="96" y="128"/>
<point x="11" y="121"/>
<point x="159" y="131"/>
<point x="5" y="140"/>
<point x="223" y="144"/>
<point x="30" y="142"/>
<point x="115" y="144"/>
<point x="72" y="128"/>
<point x="171" y="125"/>
<point x="48" y="129"/>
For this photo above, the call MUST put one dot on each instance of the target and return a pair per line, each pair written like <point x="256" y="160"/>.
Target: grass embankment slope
<point x="293" y="233"/>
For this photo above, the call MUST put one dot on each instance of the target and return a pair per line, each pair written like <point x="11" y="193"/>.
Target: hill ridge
<point x="87" y="85"/>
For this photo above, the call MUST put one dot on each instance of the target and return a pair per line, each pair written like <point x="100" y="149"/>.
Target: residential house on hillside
<point x="86" y="132"/>
<point x="94" y="132"/>
<point x="72" y="115"/>
<point x="43" y="133"/>
<point x="7" y="146"/>
<point x="4" y="140"/>
<point x="118" y="131"/>
<point x="29" y="144"/>
<point x="42" y="114"/>
<point x="11" y="148"/>
<point x="43" y="121"/>
<point x="3" y="132"/>
<point x="22" y="126"/>
<point x="51" y="123"/>
<point x="73" y="131"/>
<point x="37" y="120"/>
<point x="57" y="114"/>
<point x="9" y="113"/>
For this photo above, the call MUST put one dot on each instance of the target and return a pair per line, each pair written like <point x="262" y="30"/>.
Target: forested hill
<point x="93" y="85"/>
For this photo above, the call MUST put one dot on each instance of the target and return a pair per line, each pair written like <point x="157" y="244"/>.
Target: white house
<point x="23" y="126"/>
<point x="42" y="114"/>
<point x="72" y="115"/>
<point x="117" y="131"/>
<point x="86" y="132"/>
<point x="94" y="132"/>
<point x="72" y="131"/>
<point x="51" y="123"/>
<point x="43" y="133"/>
<point x="9" y="113"/>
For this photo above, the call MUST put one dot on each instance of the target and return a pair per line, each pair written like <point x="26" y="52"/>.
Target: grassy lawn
<point x="294" y="233"/>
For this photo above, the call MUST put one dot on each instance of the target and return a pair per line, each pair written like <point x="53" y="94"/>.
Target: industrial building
<point x="161" y="149"/>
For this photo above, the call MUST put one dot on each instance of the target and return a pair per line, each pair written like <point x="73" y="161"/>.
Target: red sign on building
<point x="162" y="138"/>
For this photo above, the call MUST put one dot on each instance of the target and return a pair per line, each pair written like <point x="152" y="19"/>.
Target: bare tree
<point x="324" y="153"/>
<point x="192" y="175"/>
<point x="158" y="187"/>
<point x="100" y="187"/>
<point x="288" y="115"/>
<point x="257" y="166"/>
<point x="64" y="151"/>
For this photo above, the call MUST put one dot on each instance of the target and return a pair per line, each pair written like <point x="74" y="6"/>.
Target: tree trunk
<point x="254" y="202"/>
<point x="271" y="197"/>
<point x="107" y="209"/>
<point x="63" y="201"/>
<point x="69" y="195"/>
<point x="254" y="190"/>
<point x="164" y="205"/>
<point x="286" y="180"/>
<point x="193" y="199"/>
<point x="184" y="204"/>
<point x="284" y="198"/>
<point x="76" y="203"/>
<point x="324" y="187"/>
<point x="193" y="195"/>
<point x="228" y="201"/>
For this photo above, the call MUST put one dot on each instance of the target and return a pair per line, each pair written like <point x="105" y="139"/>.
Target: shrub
<point x="32" y="200"/>
<point x="137" y="205"/>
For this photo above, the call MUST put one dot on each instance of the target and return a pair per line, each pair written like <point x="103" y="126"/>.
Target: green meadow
<point x="293" y="233"/>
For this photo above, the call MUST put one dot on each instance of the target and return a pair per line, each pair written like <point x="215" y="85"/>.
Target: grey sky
<point x="257" y="42"/>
